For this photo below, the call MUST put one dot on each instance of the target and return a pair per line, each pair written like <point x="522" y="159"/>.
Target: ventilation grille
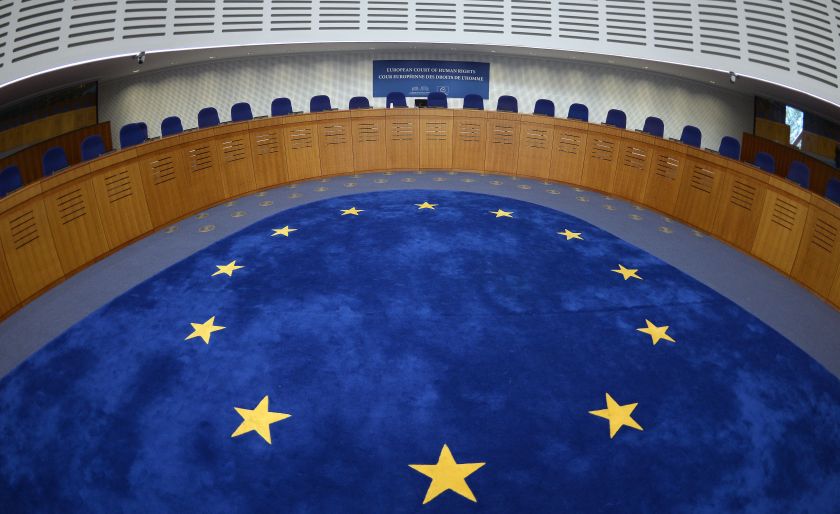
<point x="200" y="159"/>
<point x="702" y="180"/>
<point x="743" y="195"/>
<point x="469" y="132"/>
<point x="530" y="17"/>
<point x="536" y="138"/>
<point x="767" y="33"/>
<point x="91" y="21"/>
<point x="71" y="206"/>
<point x="672" y="25"/>
<point x="300" y="138"/>
<point x="339" y="15"/>
<point x="267" y="143"/>
<point x="242" y="16"/>
<point x="436" y="131"/>
<point x="402" y="131"/>
<point x="667" y="167"/>
<point x="163" y="170"/>
<point x="118" y="186"/>
<point x="634" y="157"/>
<point x="603" y="150"/>
<point x="194" y="16"/>
<point x="503" y="134"/>
<point x="784" y="213"/>
<point x="435" y="16"/>
<point x="626" y="22"/>
<point x="568" y="143"/>
<point x="825" y="235"/>
<point x="144" y="18"/>
<point x="37" y="29"/>
<point x="233" y="150"/>
<point x="291" y="15"/>
<point x="387" y="15"/>
<point x="334" y="134"/>
<point x="720" y="32"/>
<point x="578" y="20"/>
<point x="368" y="132"/>
<point x="5" y="19"/>
<point x="816" y="50"/>
<point x="24" y="229"/>
<point x="486" y="16"/>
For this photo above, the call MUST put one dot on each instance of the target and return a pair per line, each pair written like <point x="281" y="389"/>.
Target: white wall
<point x="182" y="91"/>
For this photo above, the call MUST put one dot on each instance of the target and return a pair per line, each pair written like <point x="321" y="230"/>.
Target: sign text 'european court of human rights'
<point x="419" y="78"/>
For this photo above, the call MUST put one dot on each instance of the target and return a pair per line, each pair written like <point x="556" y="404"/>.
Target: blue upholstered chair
<point x="92" y="147"/>
<point x="54" y="160"/>
<point x="654" y="126"/>
<point x="507" y="103"/>
<point x="281" y="106"/>
<point x="395" y="99"/>
<point x="241" y="112"/>
<point x="359" y="102"/>
<point x="544" y="107"/>
<point x="9" y="180"/>
<point x="832" y="190"/>
<point x="142" y="131"/>
<point x="319" y="103"/>
<point x="473" y="101"/>
<point x="798" y="172"/>
<point x="765" y="161"/>
<point x="437" y="99"/>
<point x="171" y="125"/>
<point x="132" y="134"/>
<point x="578" y="112"/>
<point x="616" y="118"/>
<point x="208" y="117"/>
<point x="691" y="136"/>
<point x="730" y="147"/>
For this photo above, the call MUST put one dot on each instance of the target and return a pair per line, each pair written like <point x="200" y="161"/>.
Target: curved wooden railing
<point x="56" y="226"/>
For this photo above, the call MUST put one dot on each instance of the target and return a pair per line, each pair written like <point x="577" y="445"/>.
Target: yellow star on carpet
<point x="656" y="333"/>
<point x="426" y="205"/>
<point x="259" y="420"/>
<point x="285" y="231"/>
<point x="619" y="415"/>
<point x="447" y="475"/>
<point x="227" y="269"/>
<point x="571" y="235"/>
<point x="502" y="214"/>
<point x="203" y="330"/>
<point x="354" y="211"/>
<point x="626" y="272"/>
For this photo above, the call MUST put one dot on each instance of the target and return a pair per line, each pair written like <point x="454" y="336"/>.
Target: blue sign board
<point x="419" y="78"/>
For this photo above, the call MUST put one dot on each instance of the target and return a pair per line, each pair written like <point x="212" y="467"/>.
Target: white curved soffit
<point x="792" y="43"/>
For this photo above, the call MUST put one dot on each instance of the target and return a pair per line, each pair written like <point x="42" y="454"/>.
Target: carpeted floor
<point x="390" y="333"/>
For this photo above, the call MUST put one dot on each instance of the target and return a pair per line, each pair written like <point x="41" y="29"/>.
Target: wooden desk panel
<point x="121" y="201"/>
<point x="700" y="193"/>
<point x="602" y="154"/>
<point x="663" y="182"/>
<point x="204" y="176"/>
<point x="634" y="162"/>
<point x="502" y="150"/>
<point x="27" y="241"/>
<point x="268" y="156"/>
<point x="369" y="144"/>
<point x="436" y="139"/>
<point x="235" y="159"/>
<point x="166" y="185"/>
<point x="569" y="151"/>
<point x="818" y="257"/>
<point x="739" y="211"/>
<point x="303" y="159"/>
<point x="403" y="144"/>
<point x="470" y="140"/>
<point x="536" y="139"/>
<point x="335" y="146"/>
<point x="834" y="296"/>
<point x="8" y="295"/>
<point x="783" y="219"/>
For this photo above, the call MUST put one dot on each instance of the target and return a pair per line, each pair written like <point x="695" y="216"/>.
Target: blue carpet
<point x="389" y="334"/>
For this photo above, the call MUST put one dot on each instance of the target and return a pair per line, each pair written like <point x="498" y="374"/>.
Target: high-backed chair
<point x="9" y="180"/>
<point x="507" y="103"/>
<point x="473" y="101"/>
<point x="241" y="112"/>
<point x="92" y="147"/>
<point x="691" y="136"/>
<point x="654" y="126"/>
<point x="798" y="172"/>
<point x="616" y="118"/>
<point x="578" y="112"/>
<point x="359" y="102"/>
<point x="142" y="131"/>
<point x="54" y="160"/>
<point x="208" y="117"/>
<point x="132" y="134"/>
<point x="544" y="107"/>
<point x="832" y="190"/>
<point x="319" y="103"/>
<point x="395" y="99"/>
<point x="171" y="125"/>
<point x="765" y="161"/>
<point x="437" y="99"/>
<point x="730" y="147"/>
<point x="281" y="106"/>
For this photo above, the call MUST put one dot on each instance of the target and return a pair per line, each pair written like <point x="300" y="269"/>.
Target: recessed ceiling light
<point x="212" y="57"/>
<point x="134" y="71"/>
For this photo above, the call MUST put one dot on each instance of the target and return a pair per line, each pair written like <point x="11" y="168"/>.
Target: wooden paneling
<point x="121" y="201"/>
<point x="772" y="130"/>
<point x="785" y="154"/>
<point x="739" y="211"/>
<point x="233" y="146"/>
<point x="663" y="183"/>
<point x="267" y="153"/>
<point x="47" y="128"/>
<point x="834" y="296"/>
<point x="470" y="140"/>
<point x="602" y="155"/>
<point x="502" y="147"/>
<point x="782" y="222"/>
<point x="818" y="257"/>
<point x="568" y="151"/>
<point x="403" y="139"/>
<point x="335" y="143"/>
<point x="436" y="139"/>
<point x="369" y="140"/>
<point x="536" y="138"/>
<point x="819" y="145"/>
<point x="203" y="170"/>
<point x="700" y="192"/>
<point x="635" y="158"/>
<point x="8" y="295"/>
<point x="165" y="180"/>
<point x="300" y="140"/>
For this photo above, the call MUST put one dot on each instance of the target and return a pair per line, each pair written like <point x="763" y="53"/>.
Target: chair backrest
<point x="171" y="125"/>
<point x="208" y="117"/>
<point x="616" y="118"/>
<point x="691" y="136"/>
<point x="799" y="173"/>
<point x="9" y="180"/>
<point x="654" y="126"/>
<point x="437" y="99"/>
<point x="765" y="161"/>
<point x="142" y="131"/>
<point x="319" y="103"/>
<point x="92" y="147"/>
<point x="474" y="101"/>
<point x="54" y="159"/>
<point x="507" y="103"/>
<point x="578" y="112"/>
<point x="281" y="106"/>
<point x="395" y="99"/>
<point x="359" y="102"/>
<point x="241" y="112"/>
<point x="544" y="107"/>
<point x="730" y="147"/>
<point x="131" y="134"/>
<point x="832" y="190"/>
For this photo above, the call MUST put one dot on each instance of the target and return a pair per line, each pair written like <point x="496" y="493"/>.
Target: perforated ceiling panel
<point x="788" y="42"/>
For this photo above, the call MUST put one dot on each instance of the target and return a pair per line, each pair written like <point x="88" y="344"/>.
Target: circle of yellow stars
<point x="447" y="474"/>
